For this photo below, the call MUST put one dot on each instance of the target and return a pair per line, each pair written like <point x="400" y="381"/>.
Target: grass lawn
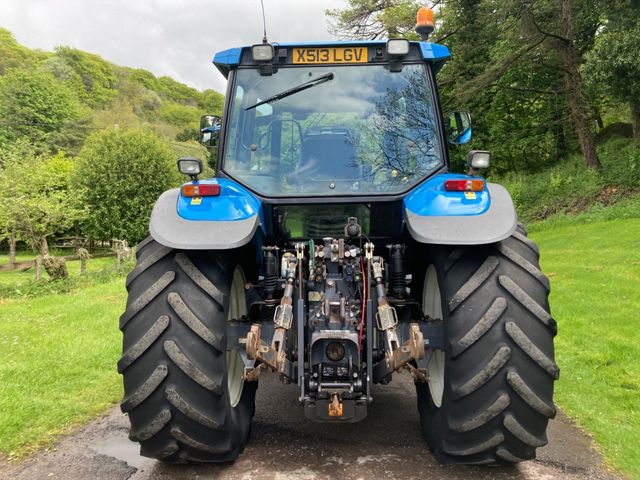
<point x="595" y="277"/>
<point x="57" y="367"/>
<point x="20" y="257"/>
<point x="93" y="266"/>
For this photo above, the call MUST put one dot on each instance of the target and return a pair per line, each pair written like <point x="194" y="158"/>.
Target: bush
<point x="571" y="187"/>
<point x="37" y="288"/>
<point x="121" y="173"/>
<point x="537" y="195"/>
<point x="180" y="115"/>
<point x="620" y="159"/>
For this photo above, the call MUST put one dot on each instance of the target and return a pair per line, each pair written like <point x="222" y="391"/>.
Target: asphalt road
<point x="284" y="445"/>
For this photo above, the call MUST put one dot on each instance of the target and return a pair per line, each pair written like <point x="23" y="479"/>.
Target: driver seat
<point x="329" y="153"/>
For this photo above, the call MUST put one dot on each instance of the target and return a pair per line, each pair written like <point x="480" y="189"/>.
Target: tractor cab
<point x="336" y="119"/>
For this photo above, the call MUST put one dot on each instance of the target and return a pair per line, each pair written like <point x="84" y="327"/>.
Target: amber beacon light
<point x="424" y="23"/>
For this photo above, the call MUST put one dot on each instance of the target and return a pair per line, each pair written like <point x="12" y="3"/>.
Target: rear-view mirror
<point x="458" y="127"/>
<point x="210" y="130"/>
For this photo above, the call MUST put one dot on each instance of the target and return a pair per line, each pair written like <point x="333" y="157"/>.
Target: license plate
<point x="330" y="55"/>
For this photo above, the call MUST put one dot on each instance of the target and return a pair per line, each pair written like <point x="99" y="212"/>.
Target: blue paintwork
<point x="227" y="59"/>
<point x="435" y="52"/>
<point x="431" y="199"/>
<point x="234" y="203"/>
<point x="330" y="43"/>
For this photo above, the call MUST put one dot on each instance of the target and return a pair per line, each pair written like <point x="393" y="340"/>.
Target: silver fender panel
<point x="496" y="224"/>
<point x="169" y="229"/>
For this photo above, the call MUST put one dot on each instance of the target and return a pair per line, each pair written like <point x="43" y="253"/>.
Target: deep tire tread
<point x="141" y="346"/>
<point x="495" y="409"/>
<point x="183" y="362"/>
<point x="198" y="277"/>
<point x="477" y="279"/>
<point x="481" y="447"/>
<point x="528" y="243"/>
<point x="490" y="317"/>
<point x="189" y="410"/>
<point x="507" y="456"/>
<point x="522" y="434"/>
<point x="486" y="373"/>
<point x="529" y="396"/>
<point x="147" y="296"/>
<point x="173" y="364"/>
<point x="147" y="388"/>
<point x="193" y="322"/>
<point x="526" y="265"/>
<point x="154" y="426"/>
<point x="528" y="347"/>
<point x="147" y="262"/>
<point x="182" y="437"/>
<point x="527" y="302"/>
<point x="500" y="365"/>
<point x="162" y="453"/>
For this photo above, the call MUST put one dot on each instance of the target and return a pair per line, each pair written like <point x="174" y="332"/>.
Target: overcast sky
<point x="168" y="37"/>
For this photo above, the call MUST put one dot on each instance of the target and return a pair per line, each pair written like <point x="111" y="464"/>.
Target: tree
<point x="120" y="175"/>
<point x="182" y="116"/>
<point x="571" y="55"/>
<point x="515" y="66"/>
<point x="12" y="54"/>
<point x="97" y="85"/>
<point x="34" y="106"/>
<point x="177" y="92"/>
<point x="36" y="195"/>
<point x="212" y="102"/>
<point x="613" y="67"/>
<point x="374" y="19"/>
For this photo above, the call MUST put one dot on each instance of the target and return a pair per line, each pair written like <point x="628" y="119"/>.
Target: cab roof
<point x="226" y="60"/>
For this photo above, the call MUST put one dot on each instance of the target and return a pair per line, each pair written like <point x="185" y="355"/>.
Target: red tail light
<point x="205" y="190"/>
<point x="464" y="185"/>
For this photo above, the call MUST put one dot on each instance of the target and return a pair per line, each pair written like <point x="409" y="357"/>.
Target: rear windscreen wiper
<point x="279" y="96"/>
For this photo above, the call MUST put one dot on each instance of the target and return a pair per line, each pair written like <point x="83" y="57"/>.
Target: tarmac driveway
<point x="284" y="445"/>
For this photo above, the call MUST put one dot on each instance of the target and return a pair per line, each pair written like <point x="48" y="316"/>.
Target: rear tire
<point x="499" y="357"/>
<point x="181" y="402"/>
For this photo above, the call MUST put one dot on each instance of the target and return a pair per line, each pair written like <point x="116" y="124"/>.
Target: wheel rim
<point x="432" y="306"/>
<point x="235" y="365"/>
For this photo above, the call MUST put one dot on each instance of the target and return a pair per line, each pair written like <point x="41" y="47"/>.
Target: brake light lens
<point x="464" y="185"/>
<point x="205" y="190"/>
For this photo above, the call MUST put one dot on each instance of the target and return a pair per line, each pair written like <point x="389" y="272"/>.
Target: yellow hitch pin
<point x="335" y="407"/>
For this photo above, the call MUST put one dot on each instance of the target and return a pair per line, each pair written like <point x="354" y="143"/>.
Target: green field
<point x="595" y="277"/>
<point x="20" y="257"/>
<point x="58" y="365"/>
<point x="59" y="351"/>
<point x="16" y="277"/>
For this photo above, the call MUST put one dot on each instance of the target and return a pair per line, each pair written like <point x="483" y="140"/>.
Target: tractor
<point x="334" y="248"/>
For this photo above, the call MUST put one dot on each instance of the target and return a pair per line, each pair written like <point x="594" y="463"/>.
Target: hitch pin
<point x="335" y="407"/>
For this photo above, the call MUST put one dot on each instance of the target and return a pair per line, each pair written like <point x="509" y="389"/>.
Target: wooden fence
<point x="27" y="264"/>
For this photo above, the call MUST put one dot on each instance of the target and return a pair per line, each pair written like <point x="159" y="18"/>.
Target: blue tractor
<point x="334" y="248"/>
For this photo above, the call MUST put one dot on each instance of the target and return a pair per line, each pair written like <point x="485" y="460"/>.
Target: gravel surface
<point x="284" y="445"/>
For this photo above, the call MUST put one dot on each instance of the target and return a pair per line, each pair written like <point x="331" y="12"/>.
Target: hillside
<point x="97" y="94"/>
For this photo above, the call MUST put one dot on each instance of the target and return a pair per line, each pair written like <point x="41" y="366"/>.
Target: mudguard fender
<point x="223" y="222"/>
<point x="434" y="216"/>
